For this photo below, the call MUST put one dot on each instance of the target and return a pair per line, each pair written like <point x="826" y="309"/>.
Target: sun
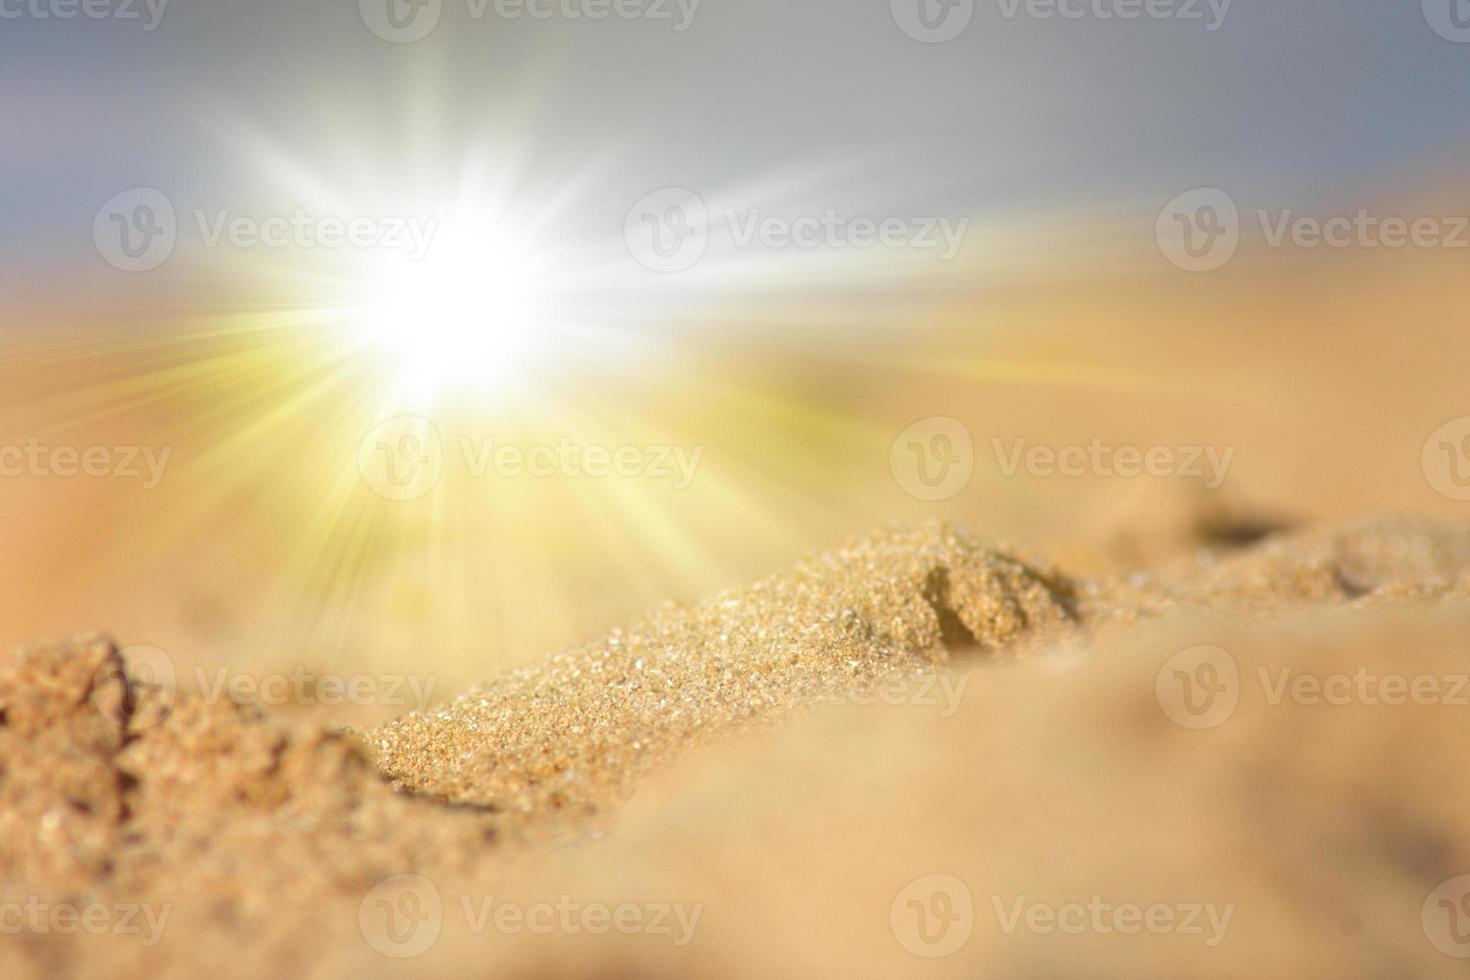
<point x="470" y="312"/>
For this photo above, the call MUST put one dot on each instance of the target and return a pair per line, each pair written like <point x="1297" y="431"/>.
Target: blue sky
<point x="1293" y="100"/>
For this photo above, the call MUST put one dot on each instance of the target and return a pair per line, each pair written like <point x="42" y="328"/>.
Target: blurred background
<point x="772" y="241"/>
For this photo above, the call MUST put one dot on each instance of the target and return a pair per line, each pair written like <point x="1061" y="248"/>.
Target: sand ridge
<point x="109" y="787"/>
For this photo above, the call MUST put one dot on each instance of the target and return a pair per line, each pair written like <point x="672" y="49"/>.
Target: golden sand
<point x="1056" y="776"/>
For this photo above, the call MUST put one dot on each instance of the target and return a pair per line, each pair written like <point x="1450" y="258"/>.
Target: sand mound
<point x="579" y="728"/>
<point x="257" y="846"/>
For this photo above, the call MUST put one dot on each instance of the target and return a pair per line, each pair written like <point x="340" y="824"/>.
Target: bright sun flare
<point x="471" y="310"/>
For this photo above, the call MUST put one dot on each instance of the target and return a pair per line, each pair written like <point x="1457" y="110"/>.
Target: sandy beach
<point x="1020" y="786"/>
<point x="734" y="489"/>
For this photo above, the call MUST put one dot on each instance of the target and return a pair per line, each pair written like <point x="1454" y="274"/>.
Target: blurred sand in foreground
<point x="1246" y="761"/>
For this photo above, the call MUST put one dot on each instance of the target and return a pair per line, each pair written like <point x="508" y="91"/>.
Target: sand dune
<point x="915" y="742"/>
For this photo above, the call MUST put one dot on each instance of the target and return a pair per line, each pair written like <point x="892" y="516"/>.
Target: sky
<point x="828" y="103"/>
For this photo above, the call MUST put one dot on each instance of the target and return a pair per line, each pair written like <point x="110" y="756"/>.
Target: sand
<point x="915" y="741"/>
